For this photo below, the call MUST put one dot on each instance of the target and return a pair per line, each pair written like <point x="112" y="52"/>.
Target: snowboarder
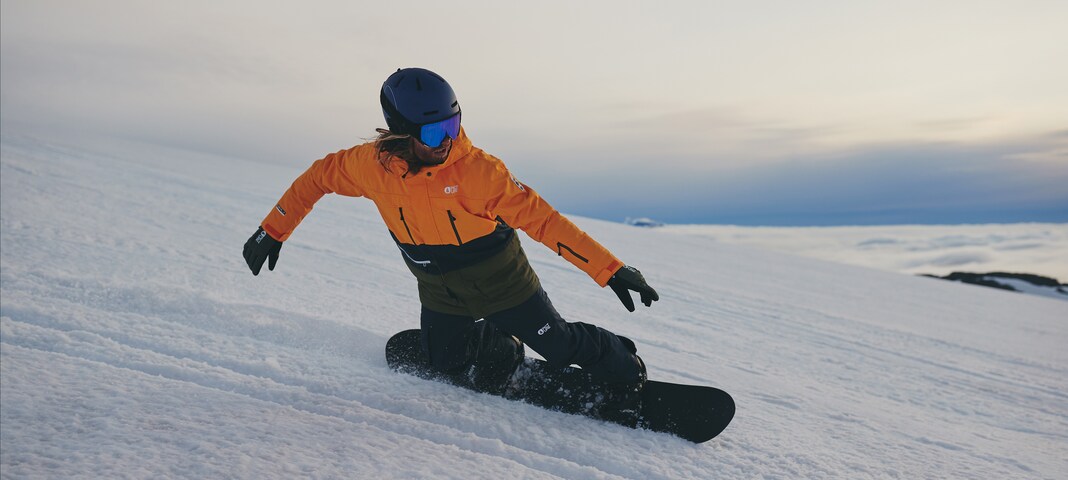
<point x="452" y="209"/>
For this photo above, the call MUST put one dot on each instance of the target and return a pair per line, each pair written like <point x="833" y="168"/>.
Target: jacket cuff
<point x="275" y="234"/>
<point x="605" y="275"/>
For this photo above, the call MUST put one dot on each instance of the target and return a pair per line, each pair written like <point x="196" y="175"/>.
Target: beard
<point x="432" y="156"/>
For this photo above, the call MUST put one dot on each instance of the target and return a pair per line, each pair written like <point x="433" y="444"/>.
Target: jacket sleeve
<point x="336" y="173"/>
<point x="521" y="207"/>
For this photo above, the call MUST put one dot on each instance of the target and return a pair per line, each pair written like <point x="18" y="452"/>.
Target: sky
<point x="751" y="113"/>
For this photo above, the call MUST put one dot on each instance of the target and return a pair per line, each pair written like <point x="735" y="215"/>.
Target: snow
<point x="1028" y="287"/>
<point x="134" y="343"/>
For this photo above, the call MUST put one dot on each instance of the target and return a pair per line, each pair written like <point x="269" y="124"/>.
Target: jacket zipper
<point x="452" y="221"/>
<point x="401" y="209"/>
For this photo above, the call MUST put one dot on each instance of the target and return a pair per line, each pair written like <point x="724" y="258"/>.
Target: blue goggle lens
<point x="432" y="134"/>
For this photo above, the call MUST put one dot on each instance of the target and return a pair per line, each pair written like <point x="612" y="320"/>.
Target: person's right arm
<point x="336" y="173"/>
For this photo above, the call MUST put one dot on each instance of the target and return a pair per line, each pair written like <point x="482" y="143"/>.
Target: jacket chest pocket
<point x="397" y="212"/>
<point x="456" y="223"/>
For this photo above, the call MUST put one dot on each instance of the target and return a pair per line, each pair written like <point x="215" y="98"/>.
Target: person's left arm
<point x="521" y="207"/>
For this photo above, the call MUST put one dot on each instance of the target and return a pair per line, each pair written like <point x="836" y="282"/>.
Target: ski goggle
<point x="432" y="134"/>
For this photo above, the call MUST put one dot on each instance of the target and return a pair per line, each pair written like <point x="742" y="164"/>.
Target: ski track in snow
<point x="134" y="344"/>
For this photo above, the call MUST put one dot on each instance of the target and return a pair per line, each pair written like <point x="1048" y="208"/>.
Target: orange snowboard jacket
<point x="449" y="204"/>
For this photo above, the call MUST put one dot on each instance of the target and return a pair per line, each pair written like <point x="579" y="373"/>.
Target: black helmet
<point x="412" y="97"/>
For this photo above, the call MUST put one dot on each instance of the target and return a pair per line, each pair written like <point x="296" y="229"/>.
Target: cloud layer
<point x="1040" y="249"/>
<point x="924" y="184"/>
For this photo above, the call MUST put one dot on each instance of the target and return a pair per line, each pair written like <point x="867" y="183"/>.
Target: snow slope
<point x="134" y="343"/>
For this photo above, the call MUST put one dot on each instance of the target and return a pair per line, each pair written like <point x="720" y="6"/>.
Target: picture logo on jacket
<point x="452" y="189"/>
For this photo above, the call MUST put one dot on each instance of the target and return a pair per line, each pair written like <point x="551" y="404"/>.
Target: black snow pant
<point x="453" y="342"/>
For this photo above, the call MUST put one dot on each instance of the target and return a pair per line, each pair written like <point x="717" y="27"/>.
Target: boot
<point x="622" y="401"/>
<point x="496" y="357"/>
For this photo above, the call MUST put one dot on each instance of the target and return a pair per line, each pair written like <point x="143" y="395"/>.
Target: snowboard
<point x="692" y="412"/>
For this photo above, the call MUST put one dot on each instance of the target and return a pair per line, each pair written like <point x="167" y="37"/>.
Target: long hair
<point x="396" y="145"/>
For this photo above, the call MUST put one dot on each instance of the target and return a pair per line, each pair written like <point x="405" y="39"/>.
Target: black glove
<point x="260" y="247"/>
<point x="629" y="278"/>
